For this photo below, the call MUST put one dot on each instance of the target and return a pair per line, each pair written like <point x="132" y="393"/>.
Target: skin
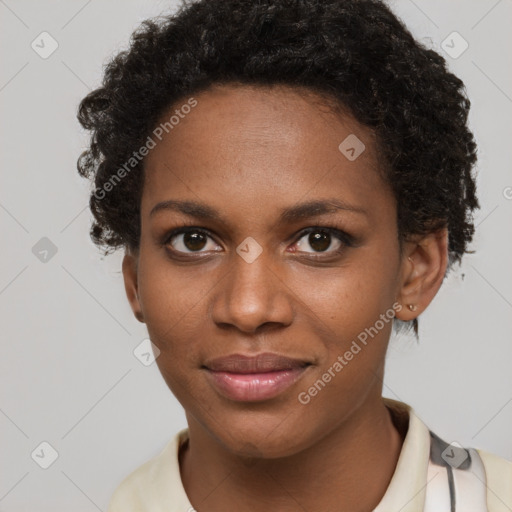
<point x="250" y="152"/>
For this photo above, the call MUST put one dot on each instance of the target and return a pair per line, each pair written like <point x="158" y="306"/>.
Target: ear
<point x="423" y="269"/>
<point x="130" y="264"/>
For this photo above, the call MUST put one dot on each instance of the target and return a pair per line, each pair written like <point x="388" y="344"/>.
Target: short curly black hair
<point x="356" y="53"/>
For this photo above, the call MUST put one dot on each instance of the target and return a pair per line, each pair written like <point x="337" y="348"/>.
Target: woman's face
<point x="251" y="279"/>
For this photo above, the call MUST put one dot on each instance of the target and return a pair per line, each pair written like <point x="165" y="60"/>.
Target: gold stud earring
<point x="412" y="307"/>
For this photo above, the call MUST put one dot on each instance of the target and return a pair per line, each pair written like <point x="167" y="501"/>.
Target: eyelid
<point x="184" y="229"/>
<point x="340" y="234"/>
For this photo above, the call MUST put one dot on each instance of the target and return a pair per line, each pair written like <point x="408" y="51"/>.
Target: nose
<point x="253" y="296"/>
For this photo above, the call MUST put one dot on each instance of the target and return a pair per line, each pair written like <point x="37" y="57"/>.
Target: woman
<point x="289" y="180"/>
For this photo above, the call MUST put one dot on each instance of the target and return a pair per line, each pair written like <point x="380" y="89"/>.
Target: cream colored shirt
<point x="417" y="485"/>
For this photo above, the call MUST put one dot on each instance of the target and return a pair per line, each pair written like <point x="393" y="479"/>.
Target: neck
<point x="348" y="469"/>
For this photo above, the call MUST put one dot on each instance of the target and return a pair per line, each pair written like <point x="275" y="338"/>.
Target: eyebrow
<point x="290" y="214"/>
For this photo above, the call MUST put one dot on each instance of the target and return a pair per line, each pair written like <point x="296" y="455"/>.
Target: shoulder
<point x="155" y="482"/>
<point x="129" y="496"/>
<point x="498" y="472"/>
<point x="474" y="475"/>
<point x="471" y="477"/>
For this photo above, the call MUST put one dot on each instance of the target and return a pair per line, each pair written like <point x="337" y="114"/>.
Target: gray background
<point x="69" y="375"/>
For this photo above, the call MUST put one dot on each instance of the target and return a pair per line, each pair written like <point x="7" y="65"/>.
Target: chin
<point x="261" y="439"/>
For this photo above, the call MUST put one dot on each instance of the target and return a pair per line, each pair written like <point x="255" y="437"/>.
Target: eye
<point x="189" y="240"/>
<point x="195" y="240"/>
<point x="323" y="240"/>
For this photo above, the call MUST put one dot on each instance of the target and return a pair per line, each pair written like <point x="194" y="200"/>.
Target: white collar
<point x="157" y="484"/>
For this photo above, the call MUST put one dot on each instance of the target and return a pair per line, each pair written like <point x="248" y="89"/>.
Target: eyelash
<point x="346" y="239"/>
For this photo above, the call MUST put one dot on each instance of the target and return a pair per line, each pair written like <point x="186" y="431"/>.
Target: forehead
<point x="254" y="144"/>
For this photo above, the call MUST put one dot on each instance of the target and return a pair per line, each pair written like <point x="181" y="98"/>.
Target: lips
<point x="261" y="363"/>
<point x="254" y="379"/>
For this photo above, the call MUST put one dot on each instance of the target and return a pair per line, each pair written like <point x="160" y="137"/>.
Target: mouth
<point x="254" y="378"/>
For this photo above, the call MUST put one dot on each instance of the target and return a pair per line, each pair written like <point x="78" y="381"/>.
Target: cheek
<point x="352" y="323"/>
<point x="174" y="315"/>
<point x="353" y="317"/>
<point x="349" y="298"/>
<point x="173" y="307"/>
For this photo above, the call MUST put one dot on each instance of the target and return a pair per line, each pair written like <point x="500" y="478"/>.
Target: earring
<point x="412" y="307"/>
